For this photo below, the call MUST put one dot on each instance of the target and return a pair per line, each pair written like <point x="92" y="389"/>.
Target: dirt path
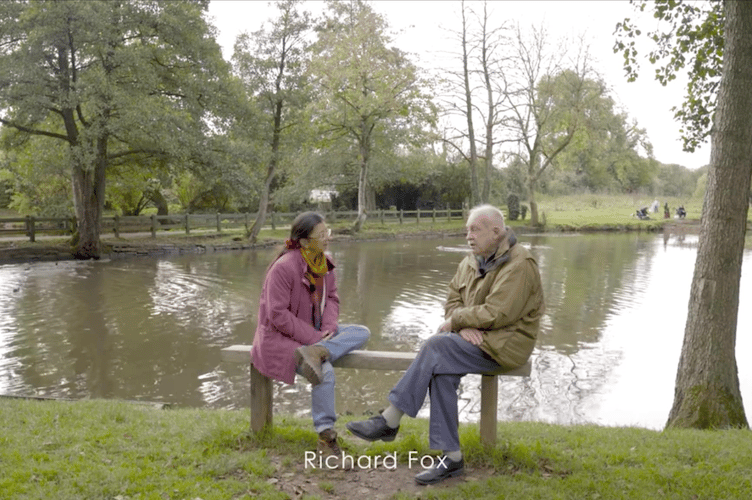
<point x="376" y="483"/>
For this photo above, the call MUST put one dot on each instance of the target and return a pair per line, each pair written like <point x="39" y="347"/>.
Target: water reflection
<point x="151" y="329"/>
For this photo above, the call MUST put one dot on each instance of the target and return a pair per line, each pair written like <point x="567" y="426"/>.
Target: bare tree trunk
<point x="486" y="46"/>
<point x="474" y="191"/>
<point x="707" y="383"/>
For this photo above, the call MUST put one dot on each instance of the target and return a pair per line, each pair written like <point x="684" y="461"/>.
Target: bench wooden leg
<point x="489" y="397"/>
<point x="261" y="401"/>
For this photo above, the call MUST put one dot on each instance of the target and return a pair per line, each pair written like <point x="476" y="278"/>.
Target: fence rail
<point x="119" y="225"/>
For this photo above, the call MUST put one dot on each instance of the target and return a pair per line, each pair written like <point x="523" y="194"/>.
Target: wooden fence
<point x="31" y="226"/>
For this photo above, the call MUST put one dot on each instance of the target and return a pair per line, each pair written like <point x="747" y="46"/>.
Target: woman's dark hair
<point x="302" y="227"/>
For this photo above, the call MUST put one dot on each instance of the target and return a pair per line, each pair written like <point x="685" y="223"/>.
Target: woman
<point x="297" y="328"/>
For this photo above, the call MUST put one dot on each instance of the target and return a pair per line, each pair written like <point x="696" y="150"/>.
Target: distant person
<point x="298" y="330"/>
<point x="492" y="319"/>
<point x="654" y="207"/>
<point x="642" y="213"/>
<point x="666" y="212"/>
<point x="680" y="212"/>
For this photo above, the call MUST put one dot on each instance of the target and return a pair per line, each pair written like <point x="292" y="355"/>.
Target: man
<point x="492" y="318"/>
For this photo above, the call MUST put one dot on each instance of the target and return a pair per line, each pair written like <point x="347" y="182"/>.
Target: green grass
<point x="105" y="449"/>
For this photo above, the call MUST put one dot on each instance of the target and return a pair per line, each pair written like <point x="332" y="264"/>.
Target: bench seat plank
<point x="372" y="360"/>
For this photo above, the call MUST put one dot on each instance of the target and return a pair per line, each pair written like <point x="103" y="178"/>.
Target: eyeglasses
<point x="326" y="234"/>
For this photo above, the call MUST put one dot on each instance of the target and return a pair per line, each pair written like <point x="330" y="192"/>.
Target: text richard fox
<point x="315" y="460"/>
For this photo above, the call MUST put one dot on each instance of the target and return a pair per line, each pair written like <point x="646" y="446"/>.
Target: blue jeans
<point x="437" y="369"/>
<point x="346" y="339"/>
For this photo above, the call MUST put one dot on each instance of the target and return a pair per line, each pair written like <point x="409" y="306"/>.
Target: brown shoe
<point x="309" y="358"/>
<point x="328" y="446"/>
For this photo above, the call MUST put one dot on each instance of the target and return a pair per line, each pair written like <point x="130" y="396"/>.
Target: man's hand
<point x="472" y="335"/>
<point x="446" y="326"/>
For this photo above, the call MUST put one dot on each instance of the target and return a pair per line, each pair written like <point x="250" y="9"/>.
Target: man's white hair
<point x="495" y="216"/>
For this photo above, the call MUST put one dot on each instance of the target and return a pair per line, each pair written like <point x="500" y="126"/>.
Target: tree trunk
<point x="532" y="181"/>
<point x="533" y="204"/>
<point x="474" y="191"/>
<point x="253" y="232"/>
<point x="271" y="171"/>
<point x="88" y="196"/>
<point x="159" y="201"/>
<point x="363" y="179"/>
<point x="707" y="383"/>
<point x="255" y="228"/>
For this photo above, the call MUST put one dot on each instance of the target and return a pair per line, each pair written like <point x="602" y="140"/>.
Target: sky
<point x="422" y="28"/>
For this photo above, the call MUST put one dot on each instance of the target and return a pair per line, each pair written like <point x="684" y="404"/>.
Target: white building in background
<point x="322" y="197"/>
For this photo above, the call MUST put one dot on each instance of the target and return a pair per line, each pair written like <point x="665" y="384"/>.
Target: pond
<point x="151" y="329"/>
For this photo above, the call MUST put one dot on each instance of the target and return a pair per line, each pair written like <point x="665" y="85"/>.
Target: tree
<point x="547" y="99"/>
<point x="480" y="56"/>
<point x="110" y="80"/>
<point x="272" y="66"/>
<point x="364" y="87"/>
<point x="707" y="391"/>
<point x="607" y="152"/>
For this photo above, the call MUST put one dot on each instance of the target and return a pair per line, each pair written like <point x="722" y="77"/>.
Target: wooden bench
<point x="261" y="386"/>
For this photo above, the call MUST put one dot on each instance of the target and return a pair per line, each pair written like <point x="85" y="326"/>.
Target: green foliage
<point x="114" y="81"/>
<point x="689" y="38"/>
<point x="677" y="181"/>
<point x="370" y="97"/>
<point x="701" y="186"/>
<point x="272" y="66"/>
<point x="37" y="169"/>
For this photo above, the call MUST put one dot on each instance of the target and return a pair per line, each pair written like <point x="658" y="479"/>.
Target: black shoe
<point x="373" y="429"/>
<point x="446" y="468"/>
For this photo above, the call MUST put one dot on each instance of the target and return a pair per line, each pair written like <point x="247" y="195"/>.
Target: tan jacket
<point x="506" y="304"/>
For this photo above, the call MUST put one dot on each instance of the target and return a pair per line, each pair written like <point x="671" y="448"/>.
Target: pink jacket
<point x="285" y="317"/>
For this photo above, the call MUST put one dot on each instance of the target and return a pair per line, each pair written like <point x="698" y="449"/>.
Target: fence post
<point x="219" y="223"/>
<point x="381" y="216"/>
<point x="401" y="213"/>
<point x="274" y="221"/>
<point x="433" y="215"/>
<point x="417" y="218"/>
<point x="153" y="226"/>
<point x="187" y="225"/>
<point x="449" y="213"/>
<point x="116" y="226"/>
<point x="246" y="222"/>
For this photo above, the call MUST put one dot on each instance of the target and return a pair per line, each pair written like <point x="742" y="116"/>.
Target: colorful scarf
<point x="317" y="268"/>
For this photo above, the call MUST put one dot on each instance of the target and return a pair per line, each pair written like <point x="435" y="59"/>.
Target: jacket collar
<point x="499" y="258"/>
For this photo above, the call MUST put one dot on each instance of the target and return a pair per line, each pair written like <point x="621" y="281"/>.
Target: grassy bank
<point x="116" y="450"/>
